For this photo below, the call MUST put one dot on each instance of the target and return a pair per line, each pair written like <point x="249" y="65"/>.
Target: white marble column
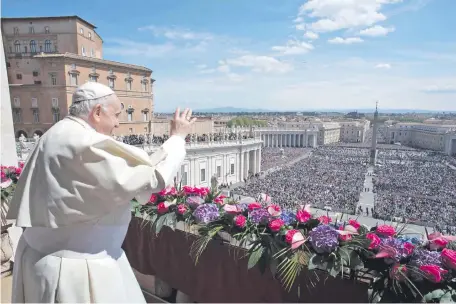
<point x="259" y="160"/>
<point x="254" y="159"/>
<point x="246" y="164"/>
<point x="241" y="167"/>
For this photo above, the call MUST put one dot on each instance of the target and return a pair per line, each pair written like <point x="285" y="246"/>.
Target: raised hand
<point x="182" y="123"/>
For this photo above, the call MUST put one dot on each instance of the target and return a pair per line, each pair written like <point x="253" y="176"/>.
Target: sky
<point x="288" y="55"/>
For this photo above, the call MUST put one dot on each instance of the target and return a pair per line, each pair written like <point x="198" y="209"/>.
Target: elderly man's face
<point x="105" y="119"/>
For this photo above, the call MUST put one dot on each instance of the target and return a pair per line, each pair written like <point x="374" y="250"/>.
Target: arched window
<point x="47" y="46"/>
<point x="32" y="46"/>
<point x="17" y="46"/>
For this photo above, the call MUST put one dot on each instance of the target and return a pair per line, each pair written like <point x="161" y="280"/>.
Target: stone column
<point x="246" y="164"/>
<point x="259" y="160"/>
<point x="254" y="161"/>
<point x="241" y="166"/>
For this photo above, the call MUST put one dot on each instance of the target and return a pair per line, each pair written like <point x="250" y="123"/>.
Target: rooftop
<point x="47" y="18"/>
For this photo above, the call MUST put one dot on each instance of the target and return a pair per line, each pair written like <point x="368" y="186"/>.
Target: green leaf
<point x="159" y="223"/>
<point x="363" y="229"/>
<point x="317" y="262"/>
<point x="350" y="258"/>
<point x="255" y="257"/>
<point x="451" y="245"/>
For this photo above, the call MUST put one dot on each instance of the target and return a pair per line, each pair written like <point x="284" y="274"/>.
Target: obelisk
<point x="8" y="142"/>
<point x="373" y="152"/>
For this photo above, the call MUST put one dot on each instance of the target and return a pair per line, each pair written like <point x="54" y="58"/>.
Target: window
<point x="46" y="29"/>
<point x="17" y="102"/>
<point x="184" y="178"/>
<point x="31" y="30"/>
<point x="232" y="169"/>
<point x="17" y="115"/>
<point x="36" y="115"/>
<point x="34" y="103"/>
<point x="55" y="115"/>
<point x="93" y="78"/>
<point x="16" y="31"/>
<point x="55" y="102"/>
<point x="8" y="65"/>
<point x="90" y="35"/>
<point x="111" y="83"/>
<point x="35" y="73"/>
<point x="131" y="130"/>
<point x="53" y="79"/>
<point x="25" y="49"/>
<point x="47" y="46"/>
<point x="145" y="116"/>
<point x="130" y="116"/>
<point x="92" y="53"/>
<point x="203" y="175"/>
<point x="32" y="46"/>
<point x="83" y="52"/>
<point x="74" y="79"/>
<point x="144" y="86"/>
<point x="19" y="76"/>
<point x="129" y="85"/>
<point x="81" y="31"/>
<point x="219" y="171"/>
<point x="17" y="46"/>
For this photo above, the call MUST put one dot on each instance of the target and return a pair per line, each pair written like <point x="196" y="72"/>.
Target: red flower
<point x="289" y="235"/>
<point x="239" y="221"/>
<point x="188" y="190"/>
<point x="409" y="248"/>
<point x="386" y="230"/>
<point x="153" y="199"/>
<point x="325" y="219"/>
<point x="21" y="165"/>
<point x="354" y="223"/>
<point x="3" y="175"/>
<point x="433" y="272"/>
<point x="294" y="238"/>
<point x="181" y="209"/>
<point x="449" y="258"/>
<point x="253" y="206"/>
<point x="375" y="240"/>
<point x="203" y="191"/>
<point x="303" y="216"/>
<point x="276" y="224"/>
<point x="168" y="191"/>
<point x="18" y="171"/>
<point x="219" y="199"/>
<point x="346" y="237"/>
<point x="398" y="272"/>
<point x="437" y="243"/>
<point x="162" y="208"/>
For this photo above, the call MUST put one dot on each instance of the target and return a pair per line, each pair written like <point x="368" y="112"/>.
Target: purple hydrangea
<point x="288" y="217"/>
<point x="323" y="239"/>
<point x="422" y="257"/>
<point x="397" y="247"/>
<point x="206" y="213"/>
<point x="244" y="206"/>
<point x="194" y="201"/>
<point x="259" y="215"/>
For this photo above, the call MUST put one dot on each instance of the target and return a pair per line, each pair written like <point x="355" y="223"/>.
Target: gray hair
<point x="83" y="108"/>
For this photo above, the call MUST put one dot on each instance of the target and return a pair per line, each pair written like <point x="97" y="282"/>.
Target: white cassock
<point x="74" y="195"/>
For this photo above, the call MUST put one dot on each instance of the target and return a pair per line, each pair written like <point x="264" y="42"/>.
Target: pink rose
<point x="219" y="199"/>
<point x="181" y="209"/>
<point x="449" y="258"/>
<point x="303" y="216"/>
<point x="188" y="190"/>
<point x="408" y="248"/>
<point x="437" y="243"/>
<point x="239" y="221"/>
<point x="375" y="240"/>
<point x="325" y="219"/>
<point x="276" y="224"/>
<point x="203" y="191"/>
<point x="294" y="238"/>
<point x="18" y="171"/>
<point x="161" y="208"/>
<point x="386" y="230"/>
<point x="433" y="272"/>
<point x="253" y="206"/>
<point x="346" y="237"/>
<point x="21" y="165"/>
<point x="274" y="210"/>
<point x="354" y="223"/>
<point x="153" y="199"/>
<point x="398" y="272"/>
<point x="168" y="191"/>
<point x="3" y="175"/>
<point x="232" y="209"/>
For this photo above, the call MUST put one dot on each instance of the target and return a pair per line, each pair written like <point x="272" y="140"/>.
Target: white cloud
<point x="177" y="33"/>
<point x="333" y="15"/>
<point x="300" y="27"/>
<point x="298" y="19"/>
<point x="311" y="35"/>
<point x="123" y="47"/>
<point x="224" y="68"/>
<point x="441" y="88"/>
<point x="385" y="66"/>
<point x="294" y="47"/>
<point x="201" y="66"/>
<point x="260" y="64"/>
<point x="377" y="30"/>
<point x="350" y="40"/>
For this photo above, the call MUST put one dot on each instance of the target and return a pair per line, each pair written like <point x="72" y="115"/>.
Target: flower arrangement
<point x="404" y="269"/>
<point x="9" y="178"/>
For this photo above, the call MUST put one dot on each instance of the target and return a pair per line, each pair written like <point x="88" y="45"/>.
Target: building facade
<point x="354" y="131"/>
<point x="48" y="57"/>
<point x="424" y="136"/>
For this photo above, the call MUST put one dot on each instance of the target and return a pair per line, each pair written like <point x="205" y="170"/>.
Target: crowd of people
<point x="147" y="139"/>
<point x="417" y="186"/>
<point x="275" y="157"/>
<point x="330" y="177"/>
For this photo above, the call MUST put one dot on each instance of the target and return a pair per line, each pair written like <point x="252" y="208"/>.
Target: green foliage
<point x="246" y="122"/>
<point x="451" y="245"/>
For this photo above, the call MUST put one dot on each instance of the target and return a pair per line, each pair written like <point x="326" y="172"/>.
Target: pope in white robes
<point x="73" y="197"/>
